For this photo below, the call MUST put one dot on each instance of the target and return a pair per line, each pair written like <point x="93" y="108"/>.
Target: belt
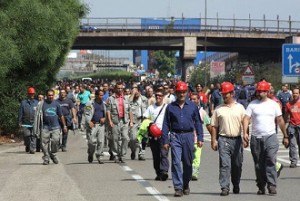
<point x="230" y="137"/>
<point x="182" y="131"/>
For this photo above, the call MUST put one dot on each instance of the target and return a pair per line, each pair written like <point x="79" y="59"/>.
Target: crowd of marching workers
<point x="168" y="117"/>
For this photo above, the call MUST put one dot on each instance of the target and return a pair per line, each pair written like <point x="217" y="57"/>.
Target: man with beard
<point x="264" y="143"/>
<point x="226" y="122"/>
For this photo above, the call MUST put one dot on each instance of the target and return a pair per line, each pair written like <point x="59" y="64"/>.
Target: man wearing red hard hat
<point x="226" y="122"/>
<point x="262" y="113"/>
<point x="26" y="119"/>
<point x="181" y="119"/>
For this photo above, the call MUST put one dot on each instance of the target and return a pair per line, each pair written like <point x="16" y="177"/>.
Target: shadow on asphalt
<point x="41" y="163"/>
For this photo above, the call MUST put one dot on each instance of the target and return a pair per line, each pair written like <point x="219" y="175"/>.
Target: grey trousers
<point x="29" y="139"/>
<point x="264" y="152"/>
<point x="119" y="139"/>
<point x="50" y="142"/>
<point x="230" y="161"/>
<point x="294" y="137"/>
<point x="95" y="137"/>
<point x="132" y="136"/>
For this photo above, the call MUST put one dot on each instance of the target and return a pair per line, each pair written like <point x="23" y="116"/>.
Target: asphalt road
<point x="23" y="177"/>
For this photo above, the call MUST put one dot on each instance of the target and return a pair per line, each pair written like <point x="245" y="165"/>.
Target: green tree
<point x="35" y="37"/>
<point x="165" y="62"/>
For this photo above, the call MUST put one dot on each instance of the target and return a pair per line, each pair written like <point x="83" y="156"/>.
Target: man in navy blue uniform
<point x="182" y="118"/>
<point x="26" y="119"/>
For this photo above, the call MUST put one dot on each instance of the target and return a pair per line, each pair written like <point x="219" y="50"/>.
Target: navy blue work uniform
<point x="181" y="123"/>
<point x="26" y="119"/>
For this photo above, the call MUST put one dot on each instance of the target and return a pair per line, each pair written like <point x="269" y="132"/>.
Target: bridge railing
<point x="264" y="25"/>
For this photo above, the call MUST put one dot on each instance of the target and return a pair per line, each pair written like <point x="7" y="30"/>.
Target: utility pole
<point x="205" y="41"/>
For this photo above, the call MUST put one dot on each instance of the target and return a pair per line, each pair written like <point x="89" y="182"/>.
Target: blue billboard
<point x="188" y="24"/>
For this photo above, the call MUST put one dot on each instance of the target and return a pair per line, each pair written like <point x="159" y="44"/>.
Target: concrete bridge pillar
<point x="188" y="55"/>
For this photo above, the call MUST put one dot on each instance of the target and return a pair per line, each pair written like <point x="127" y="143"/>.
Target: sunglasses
<point x="158" y="95"/>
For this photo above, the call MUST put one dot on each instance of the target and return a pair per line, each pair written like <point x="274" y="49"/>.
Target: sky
<point x="195" y="8"/>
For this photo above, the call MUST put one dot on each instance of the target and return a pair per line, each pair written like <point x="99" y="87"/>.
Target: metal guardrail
<point x="266" y="26"/>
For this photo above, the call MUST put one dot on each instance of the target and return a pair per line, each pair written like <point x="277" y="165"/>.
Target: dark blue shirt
<point x="26" y="112"/>
<point x="51" y="113"/>
<point x="99" y="111"/>
<point x="185" y="119"/>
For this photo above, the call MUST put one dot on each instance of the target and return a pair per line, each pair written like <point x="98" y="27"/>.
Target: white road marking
<point x="151" y="190"/>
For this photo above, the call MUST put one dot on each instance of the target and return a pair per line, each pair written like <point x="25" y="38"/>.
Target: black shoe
<point x="90" y="158"/>
<point x="132" y="156"/>
<point x="293" y="165"/>
<point x="99" y="161"/>
<point x="236" y="190"/>
<point x="279" y="170"/>
<point x="224" y="192"/>
<point x="64" y="149"/>
<point x="178" y="193"/>
<point x="121" y="160"/>
<point x="186" y="191"/>
<point x="142" y="158"/>
<point x="163" y="176"/>
<point x="38" y="150"/>
<point x="32" y="152"/>
<point x="157" y="178"/>
<point x="261" y="191"/>
<point x="27" y="149"/>
<point x="54" y="159"/>
<point x="272" y="190"/>
<point x="46" y="163"/>
<point x="112" y="158"/>
<point x="194" y="178"/>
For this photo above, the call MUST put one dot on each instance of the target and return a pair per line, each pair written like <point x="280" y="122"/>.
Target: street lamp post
<point x="205" y="39"/>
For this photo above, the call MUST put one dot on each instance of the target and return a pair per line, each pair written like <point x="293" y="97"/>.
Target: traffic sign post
<point x="248" y="75"/>
<point x="291" y="60"/>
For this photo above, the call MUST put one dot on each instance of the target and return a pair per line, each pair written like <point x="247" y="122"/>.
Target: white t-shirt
<point x="152" y="112"/>
<point x="263" y="114"/>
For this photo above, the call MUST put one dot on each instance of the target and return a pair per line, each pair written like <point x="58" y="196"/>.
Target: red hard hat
<point x="31" y="90"/>
<point x="226" y="87"/>
<point x="181" y="86"/>
<point x="154" y="130"/>
<point x="263" y="86"/>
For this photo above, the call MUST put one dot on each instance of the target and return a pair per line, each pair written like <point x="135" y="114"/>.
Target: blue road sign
<point x="291" y="59"/>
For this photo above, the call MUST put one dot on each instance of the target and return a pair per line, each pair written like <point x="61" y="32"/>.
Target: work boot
<point x="194" y="178"/>
<point x="54" y="159"/>
<point x="132" y="156"/>
<point x="112" y="158"/>
<point x="163" y="176"/>
<point x="32" y="152"/>
<point x="186" y="190"/>
<point x="178" y="193"/>
<point x="236" y="189"/>
<point x="261" y="191"/>
<point x="90" y="158"/>
<point x="46" y="162"/>
<point x="224" y="192"/>
<point x="272" y="190"/>
<point x="99" y="161"/>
